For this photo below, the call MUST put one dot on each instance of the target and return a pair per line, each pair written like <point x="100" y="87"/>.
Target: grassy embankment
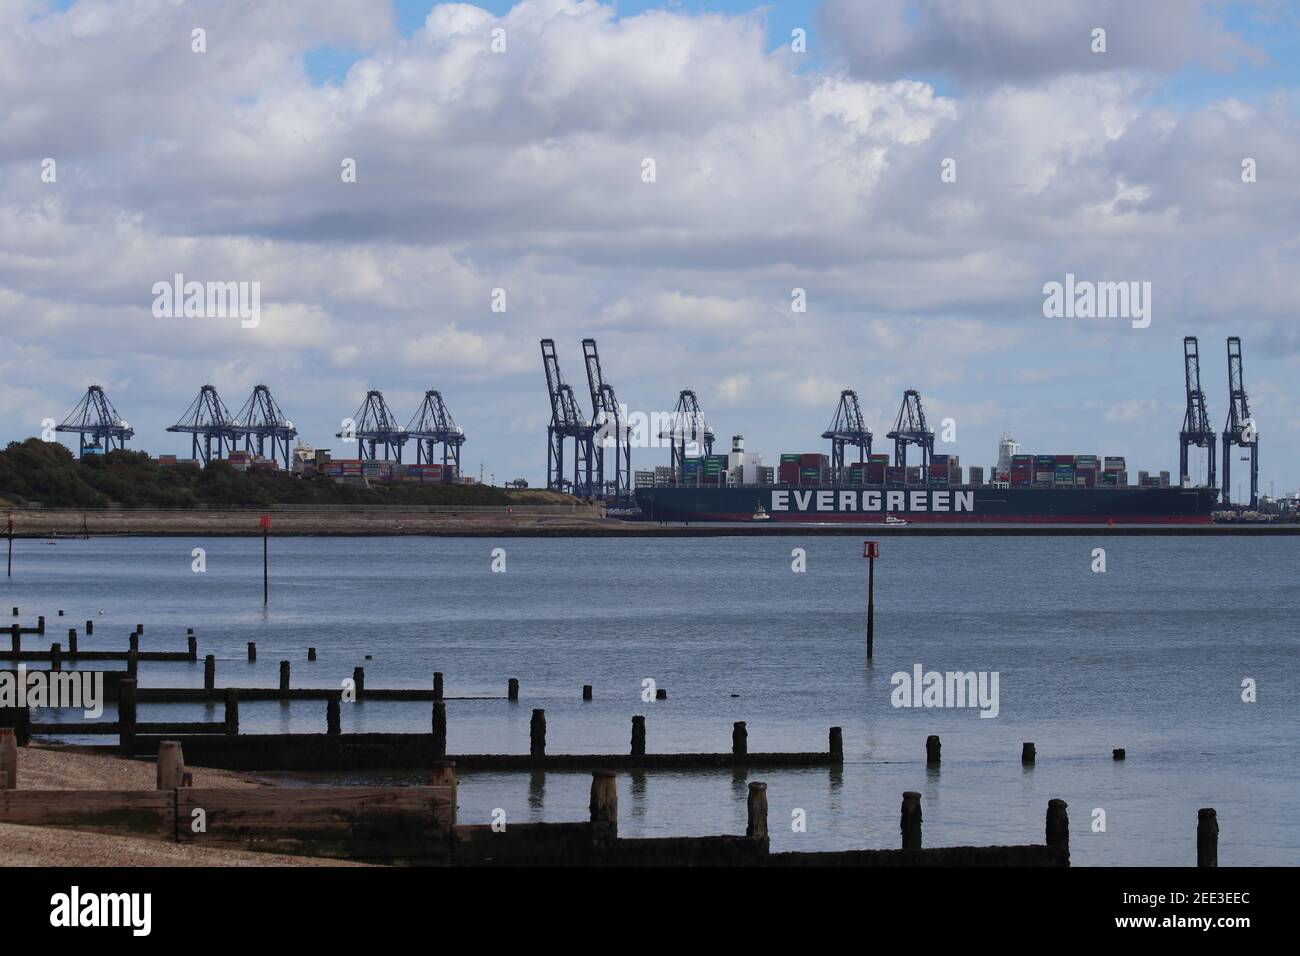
<point x="46" y="473"/>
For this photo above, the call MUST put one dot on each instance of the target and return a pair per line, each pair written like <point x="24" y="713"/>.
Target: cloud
<point x="522" y="171"/>
<point x="1006" y="41"/>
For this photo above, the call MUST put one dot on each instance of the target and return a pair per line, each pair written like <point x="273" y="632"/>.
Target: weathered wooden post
<point x="871" y="551"/>
<point x="512" y="689"/>
<point x="1027" y="752"/>
<point x="19" y="720"/>
<point x="56" y="657"/>
<point x="72" y="641"/>
<point x="638" y="736"/>
<point x="126" y="711"/>
<point x="739" y="739"/>
<point x="133" y="663"/>
<point x="1058" y="828"/>
<point x="252" y="650"/>
<point x="16" y="639"/>
<point x="139" y="630"/>
<point x="440" y="728"/>
<point x="359" y="682"/>
<point x="586" y="692"/>
<point x="757" y="826"/>
<point x="133" y="642"/>
<point x="837" y="744"/>
<point x="333" y="724"/>
<point x="60" y="612"/>
<point x="437" y="685"/>
<point x="442" y="773"/>
<point x="1117" y="753"/>
<point x="537" y="734"/>
<point x="284" y="678"/>
<point x="1207" y="837"/>
<point x="8" y="759"/>
<point x="210" y="672"/>
<point x="604" y="805"/>
<point x="311" y="653"/>
<point x="232" y="711"/>
<point x="192" y="645"/>
<point x="40" y="624"/>
<point x="661" y="693"/>
<point x="910" y="822"/>
<point x="932" y="749"/>
<point x="90" y="627"/>
<point x="171" y="765"/>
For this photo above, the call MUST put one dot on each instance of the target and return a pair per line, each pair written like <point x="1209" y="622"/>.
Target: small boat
<point x="760" y="514"/>
<point x="895" y="522"/>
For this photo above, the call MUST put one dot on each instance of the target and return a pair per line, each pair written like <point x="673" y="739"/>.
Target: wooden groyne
<point x="419" y="825"/>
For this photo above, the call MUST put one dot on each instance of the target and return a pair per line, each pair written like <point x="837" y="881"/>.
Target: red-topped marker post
<point x="871" y="551"/>
<point x="266" y="581"/>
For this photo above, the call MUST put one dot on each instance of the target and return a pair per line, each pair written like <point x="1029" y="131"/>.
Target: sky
<point x="127" y="157"/>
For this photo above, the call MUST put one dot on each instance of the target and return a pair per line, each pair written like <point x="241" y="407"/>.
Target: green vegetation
<point x="46" y="473"/>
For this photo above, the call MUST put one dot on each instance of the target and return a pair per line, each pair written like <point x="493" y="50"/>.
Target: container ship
<point x="1028" y="489"/>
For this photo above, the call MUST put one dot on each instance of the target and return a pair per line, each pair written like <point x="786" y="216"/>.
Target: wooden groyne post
<point x="333" y="724"/>
<point x="437" y="685"/>
<point x="284" y="678"/>
<point x="757" y="806"/>
<point x="171" y="765"/>
<point x="512" y="689"/>
<point x="932" y="750"/>
<point x="56" y="657"/>
<point x="210" y="672"/>
<point x="837" y="744"/>
<point x="910" y="820"/>
<point x="8" y="759"/>
<point x="440" y="728"/>
<point x="537" y="734"/>
<point x="638" y="736"/>
<point x="739" y="739"/>
<point x="1058" y="828"/>
<point x="126" y="711"/>
<point x="232" y="711"/>
<point x="252" y="651"/>
<point x="72" y="641"/>
<point x="604" y="805"/>
<point x="359" y="682"/>
<point x="1027" y="752"/>
<point x="1207" y="837"/>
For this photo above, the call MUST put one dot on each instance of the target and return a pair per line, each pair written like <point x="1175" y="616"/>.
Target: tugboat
<point x="760" y="514"/>
<point x="894" y="522"/>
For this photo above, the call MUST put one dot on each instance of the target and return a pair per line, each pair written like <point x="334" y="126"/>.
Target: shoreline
<point x="75" y="524"/>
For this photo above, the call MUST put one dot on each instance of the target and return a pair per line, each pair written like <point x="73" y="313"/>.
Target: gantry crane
<point x="208" y="418"/>
<point x="1240" y="430"/>
<point x="611" y="432"/>
<point x="261" y="419"/>
<point x="567" y="421"/>
<point x="686" y="426"/>
<point x="1196" y="430"/>
<point x="847" y="429"/>
<point x="910" y="429"/>
<point x="374" y="427"/>
<point x="433" y="425"/>
<point x="96" y="417"/>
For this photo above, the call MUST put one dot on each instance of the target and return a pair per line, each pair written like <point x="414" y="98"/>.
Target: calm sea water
<point x="1149" y="656"/>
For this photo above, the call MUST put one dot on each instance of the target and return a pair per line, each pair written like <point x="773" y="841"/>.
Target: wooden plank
<point x="354" y="822"/>
<point x="135" y="812"/>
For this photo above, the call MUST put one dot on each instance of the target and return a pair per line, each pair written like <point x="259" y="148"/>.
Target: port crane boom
<point x="847" y="429"/>
<point x="1240" y="430"/>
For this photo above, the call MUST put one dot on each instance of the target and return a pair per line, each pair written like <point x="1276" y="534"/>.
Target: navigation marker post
<point x="871" y="551"/>
<point x="266" y="527"/>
